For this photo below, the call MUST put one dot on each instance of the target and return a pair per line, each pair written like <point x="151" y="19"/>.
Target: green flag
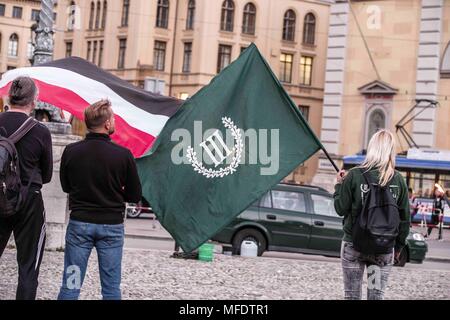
<point x="226" y="147"/>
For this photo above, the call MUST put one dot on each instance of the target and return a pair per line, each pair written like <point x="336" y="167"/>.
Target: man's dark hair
<point x="23" y="91"/>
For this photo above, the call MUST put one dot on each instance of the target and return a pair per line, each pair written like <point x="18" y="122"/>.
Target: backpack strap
<point x="23" y="130"/>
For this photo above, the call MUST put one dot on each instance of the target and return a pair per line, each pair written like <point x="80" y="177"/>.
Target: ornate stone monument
<point x="55" y="199"/>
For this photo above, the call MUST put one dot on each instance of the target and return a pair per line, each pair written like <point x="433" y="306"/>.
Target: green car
<point x="302" y="219"/>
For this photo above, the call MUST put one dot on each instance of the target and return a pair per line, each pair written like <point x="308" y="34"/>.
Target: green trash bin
<point x="206" y="252"/>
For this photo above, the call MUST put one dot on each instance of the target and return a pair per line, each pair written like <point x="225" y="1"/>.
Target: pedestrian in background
<point x="99" y="177"/>
<point x="34" y="150"/>
<point x="351" y="193"/>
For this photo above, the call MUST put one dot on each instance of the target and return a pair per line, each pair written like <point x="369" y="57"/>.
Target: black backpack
<point x="377" y="226"/>
<point x="12" y="193"/>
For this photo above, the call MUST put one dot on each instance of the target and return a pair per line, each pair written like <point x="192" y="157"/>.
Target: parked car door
<point x="287" y="221"/>
<point x="326" y="231"/>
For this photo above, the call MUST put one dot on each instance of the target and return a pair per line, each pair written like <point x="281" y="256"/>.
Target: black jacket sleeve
<point x="47" y="158"/>
<point x="63" y="173"/>
<point x="132" y="188"/>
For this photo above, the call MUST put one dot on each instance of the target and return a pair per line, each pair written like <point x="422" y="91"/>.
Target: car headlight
<point x="418" y="237"/>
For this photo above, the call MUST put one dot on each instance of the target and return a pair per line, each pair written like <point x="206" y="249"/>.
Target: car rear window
<point x="291" y="201"/>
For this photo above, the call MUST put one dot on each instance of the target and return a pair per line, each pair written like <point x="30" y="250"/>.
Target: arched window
<point x="289" y="26"/>
<point x="445" y="67"/>
<point x="97" y="16"/>
<point x="249" y="22"/>
<point x="105" y="14"/>
<point x="162" y="18"/>
<point x="91" y="16"/>
<point x="227" y="18"/>
<point x="309" y="29"/>
<point x="125" y="13"/>
<point x="13" y="45"/>
<point x="377" y="121"/>
<point x="72" y="19"/>
<point x="190" y="15"/>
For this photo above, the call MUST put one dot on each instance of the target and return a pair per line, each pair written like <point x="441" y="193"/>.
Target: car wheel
<point x="249" y="235"/>
<point x="403" y="258"/>
<point x="133" y="213"/>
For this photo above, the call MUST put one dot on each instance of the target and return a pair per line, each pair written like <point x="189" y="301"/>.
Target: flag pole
<point x="331" y="160"/>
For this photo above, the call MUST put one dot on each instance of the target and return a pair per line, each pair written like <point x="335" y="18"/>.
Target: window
<point x="91" y="16"/>
<point x="309" y="29"/>
<point x="1" y="42"/>
<point x="306" y="64"/>
<point x="289" y="26"/>
<point x="445" y="67"/>
<point x="30" y="50"/>
<point x="286" y="67"/>
<point x="72" y="17"/>
<point x="54" y="16"/>
<point x="159" y="57"/>
<point x="2" y="10"/>
<point x="187" y="57"/>
<point x="97" y="15"/>
<point x="323" y="205"/>
<point x="125" y="13"/>
<point x="290" y="201"/>
<point x="89" y="49"/>
<point x="243" y="49"/>
<point x="227" y="18"/>
<point x="162" y="15"/>
<point x="100" y="53"/>
<point x="105" y="14"/>
<point x="69" y="46"/>
<point x="122" y="52"/>
<point x="17" y="12"/>
<point x="305" y="112"/>
<point x="13" y="45"/>
<point x="35" y="14"/>
<point x="249" y="22"/>
<point x="10" y="68"/>
<point x="266" y="201"/>
<point x="94" y="52"/>
<point x="190" y="15"/>
<point x="224" y="57"/>
<point x="377" y="121"/>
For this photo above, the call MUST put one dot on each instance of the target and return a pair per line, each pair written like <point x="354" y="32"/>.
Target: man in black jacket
<point x="99" y="177"/>
<point x="36" y="168"/>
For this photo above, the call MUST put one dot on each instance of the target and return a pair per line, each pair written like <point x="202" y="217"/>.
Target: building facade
<point x="177" y="46"/>
<point x="382" y="56"/>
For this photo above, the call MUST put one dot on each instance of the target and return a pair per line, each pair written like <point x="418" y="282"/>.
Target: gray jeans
<point x="353" y="265"/>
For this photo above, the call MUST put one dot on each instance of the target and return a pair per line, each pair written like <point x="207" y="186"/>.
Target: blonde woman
<point x="351" y="191"/>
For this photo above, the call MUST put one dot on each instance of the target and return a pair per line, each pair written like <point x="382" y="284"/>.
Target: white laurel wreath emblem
<point x="238" y="148"/>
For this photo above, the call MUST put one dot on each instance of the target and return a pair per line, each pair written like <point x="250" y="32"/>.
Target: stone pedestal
<point x="55" y="200"/>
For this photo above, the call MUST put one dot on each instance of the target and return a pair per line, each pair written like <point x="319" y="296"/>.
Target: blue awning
<point x="405" y="164"/>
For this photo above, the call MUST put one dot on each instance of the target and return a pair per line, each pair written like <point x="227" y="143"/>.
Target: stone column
<point x="55" y="200"/>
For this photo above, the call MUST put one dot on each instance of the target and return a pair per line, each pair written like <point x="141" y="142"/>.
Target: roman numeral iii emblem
<point x="220" y="153"/>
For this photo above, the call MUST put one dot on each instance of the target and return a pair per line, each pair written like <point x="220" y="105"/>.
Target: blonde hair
<point x="381" y="156"/>
<point x="97" y="114"/>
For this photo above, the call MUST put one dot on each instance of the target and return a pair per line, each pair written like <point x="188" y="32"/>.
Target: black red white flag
<point x="72" y="84"/>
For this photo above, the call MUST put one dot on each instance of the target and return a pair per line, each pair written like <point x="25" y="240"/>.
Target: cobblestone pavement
<point x="154" y="275"/>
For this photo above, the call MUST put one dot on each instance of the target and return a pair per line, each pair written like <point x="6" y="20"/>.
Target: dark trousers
<point x="28" y="226"/>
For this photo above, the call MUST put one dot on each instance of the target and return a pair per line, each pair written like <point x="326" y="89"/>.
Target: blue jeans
<point x="378" y="269"/>
<point x="81" y="238"/>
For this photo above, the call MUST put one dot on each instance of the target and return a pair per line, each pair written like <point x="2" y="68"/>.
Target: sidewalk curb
<point x="438" y="259"/>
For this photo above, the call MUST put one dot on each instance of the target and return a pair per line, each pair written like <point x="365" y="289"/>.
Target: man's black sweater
<point x="99" y="177"/>
<point x="34" y="150"/>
